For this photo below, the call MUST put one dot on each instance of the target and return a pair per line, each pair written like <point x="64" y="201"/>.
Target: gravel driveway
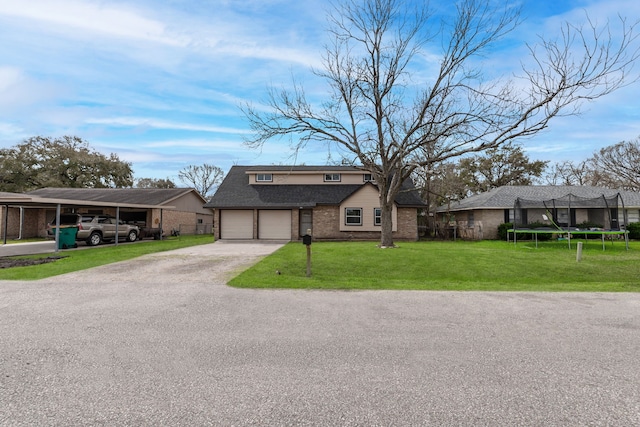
<point x="160" y="340"/>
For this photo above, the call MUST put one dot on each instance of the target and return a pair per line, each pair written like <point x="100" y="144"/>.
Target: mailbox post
<point x="306" y="240"/>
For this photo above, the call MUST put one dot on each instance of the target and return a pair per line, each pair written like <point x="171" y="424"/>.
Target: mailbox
<point x="306" y="239"/>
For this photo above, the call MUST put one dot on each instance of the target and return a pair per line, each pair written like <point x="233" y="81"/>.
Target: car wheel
<point x="95" y="239"/>
<point x="132" y="236"/>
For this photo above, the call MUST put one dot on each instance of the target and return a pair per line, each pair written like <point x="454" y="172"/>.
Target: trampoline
<point x="559" y="216"/>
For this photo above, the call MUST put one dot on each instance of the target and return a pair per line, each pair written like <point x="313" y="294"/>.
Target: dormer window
<point x="332" y="177"/>
<point x="264" y="177"/>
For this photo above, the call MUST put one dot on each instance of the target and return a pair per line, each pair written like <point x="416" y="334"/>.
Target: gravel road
<point x="160" y="340"/>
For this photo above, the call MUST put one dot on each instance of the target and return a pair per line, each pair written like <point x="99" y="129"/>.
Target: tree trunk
<point x="386" y="237"/>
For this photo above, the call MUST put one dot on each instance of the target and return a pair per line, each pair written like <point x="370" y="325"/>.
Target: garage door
<point x="236" y="224"/>
<point x="274" y="224"/>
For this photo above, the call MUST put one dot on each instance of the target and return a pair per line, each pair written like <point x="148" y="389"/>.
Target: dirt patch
<point x="25" y="262"/>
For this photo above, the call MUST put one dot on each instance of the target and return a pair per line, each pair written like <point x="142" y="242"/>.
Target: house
<point x="26" y="215"/>
<point x="283" y="202"/>
<point x="478" y="217"/>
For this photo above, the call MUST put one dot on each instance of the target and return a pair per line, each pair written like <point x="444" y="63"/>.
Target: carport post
<point x="117" y="223"/>
<point x="57" y="226"/>
<point x="6" y="223"/>
<point x="161" y="210"/>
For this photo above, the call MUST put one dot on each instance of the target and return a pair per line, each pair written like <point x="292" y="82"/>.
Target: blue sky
<point x="160" y="82"/>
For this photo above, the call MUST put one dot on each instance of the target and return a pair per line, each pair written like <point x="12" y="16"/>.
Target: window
<point x="353" y="216"/>
<point x="508" y="215"/>
<point x="470" y="220"/>
<point x="520" y="218"/>
<point x="264" y="177"/>
<point x="377" y="216"/>
<point x="367" y="177"/>
<point x="332" y="177"/>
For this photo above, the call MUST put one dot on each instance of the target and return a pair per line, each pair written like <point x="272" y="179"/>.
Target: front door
<point x="306" y="221"/>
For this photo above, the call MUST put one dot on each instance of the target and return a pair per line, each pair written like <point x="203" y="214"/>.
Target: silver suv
<point x="94" y="229"/>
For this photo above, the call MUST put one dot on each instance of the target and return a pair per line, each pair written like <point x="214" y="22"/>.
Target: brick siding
<point x="326" y="225"/>
<point x="33" y="225"/>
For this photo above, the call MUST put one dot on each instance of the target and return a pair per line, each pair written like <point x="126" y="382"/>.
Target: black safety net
<point x="570" y="211"/>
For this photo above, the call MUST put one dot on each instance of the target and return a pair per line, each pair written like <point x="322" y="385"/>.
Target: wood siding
<point x="367" y="198"/>
<point x="309" y="178"/>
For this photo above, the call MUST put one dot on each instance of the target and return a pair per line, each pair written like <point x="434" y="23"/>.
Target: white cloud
<point x="194" y="143"/>
<point x="162" y="124"/>
<point x="91" y="17"/>
<point x="9" y="77"/>
<point x="218" y="33"/>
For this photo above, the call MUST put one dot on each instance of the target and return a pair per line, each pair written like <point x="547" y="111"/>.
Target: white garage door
<point x="274" y="224"/>
<point x="236" y="224"/>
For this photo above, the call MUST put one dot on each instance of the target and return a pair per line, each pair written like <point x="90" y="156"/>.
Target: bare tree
<point x="205" y="178"/>
<point x="570" y="173"/>
<point x="617" y="166"/>
<point x="378" y="110"/>
<point x="440" y="186"/>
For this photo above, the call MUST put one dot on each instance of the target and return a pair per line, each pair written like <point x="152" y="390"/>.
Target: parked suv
<point x="94" y="229"/>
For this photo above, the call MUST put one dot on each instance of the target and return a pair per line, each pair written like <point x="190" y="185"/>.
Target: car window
<point x="87" y="218"/>
<point x="65" y="219"/>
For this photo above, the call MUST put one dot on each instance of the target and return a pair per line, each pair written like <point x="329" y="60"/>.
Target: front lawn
<point x="80" y="259"/>
<point x="481" y="266"/>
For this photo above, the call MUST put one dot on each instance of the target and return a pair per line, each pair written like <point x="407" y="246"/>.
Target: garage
<point x="236" y="224"/>
<point x="274" y="224"/>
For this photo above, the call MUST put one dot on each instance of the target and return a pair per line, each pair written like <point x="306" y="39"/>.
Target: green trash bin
<point x="67" y="238"/>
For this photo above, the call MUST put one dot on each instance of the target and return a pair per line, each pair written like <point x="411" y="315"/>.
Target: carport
<point x="26" y="201"/>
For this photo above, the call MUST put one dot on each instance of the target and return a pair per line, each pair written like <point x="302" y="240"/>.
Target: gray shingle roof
<point x="235" y="191"/>
<point x="144" y="196"/>
<point x="505" y="197"/>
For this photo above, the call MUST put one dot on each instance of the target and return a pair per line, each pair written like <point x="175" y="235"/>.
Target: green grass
<point x="460" y="266"/>
<point x="75" y="260"/>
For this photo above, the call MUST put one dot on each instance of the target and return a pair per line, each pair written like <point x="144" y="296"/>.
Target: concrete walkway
<point x="27" y="248"/>
<point x="137" y="343"/>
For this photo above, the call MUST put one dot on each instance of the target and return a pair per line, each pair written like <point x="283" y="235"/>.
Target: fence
<point x="195" y="229"/>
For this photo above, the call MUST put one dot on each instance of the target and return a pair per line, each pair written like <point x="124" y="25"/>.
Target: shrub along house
<point x="283" y="202"/>
<point x="478" y="217"/>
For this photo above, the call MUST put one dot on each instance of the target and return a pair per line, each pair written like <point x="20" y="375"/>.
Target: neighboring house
<point x="478" y="217"/>
<point x="175" y="208"/>
<point x="283" y="202"/>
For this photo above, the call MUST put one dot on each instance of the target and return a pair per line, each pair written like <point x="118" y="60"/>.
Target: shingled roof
<point x="235" y="191"/>
<point x="505" y="197"/>
<point x="143" y="196"/>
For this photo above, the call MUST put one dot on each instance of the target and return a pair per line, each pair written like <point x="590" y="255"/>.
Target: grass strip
<point x="81" y="259"/>
<point x="460" y="266"/>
